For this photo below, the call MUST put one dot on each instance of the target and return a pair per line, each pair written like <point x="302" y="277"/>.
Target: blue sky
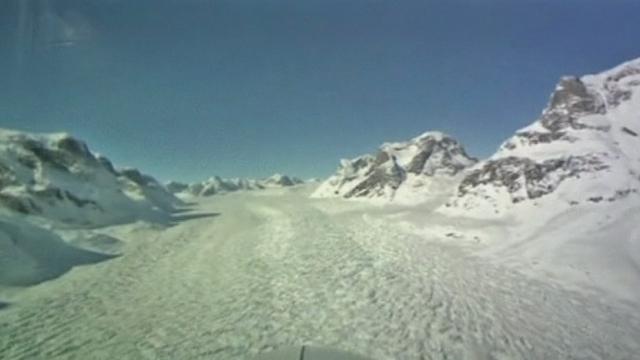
<point x="191" y="88"/>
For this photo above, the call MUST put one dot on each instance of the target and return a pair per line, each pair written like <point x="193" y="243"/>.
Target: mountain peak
<point x="396" y="165"/>
<point x="56" y="176"/>
<point x="584" y="147"/>
<point x="216" y="185"/>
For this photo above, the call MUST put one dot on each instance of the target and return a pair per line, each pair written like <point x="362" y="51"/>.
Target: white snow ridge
<point x="416" y="252"/>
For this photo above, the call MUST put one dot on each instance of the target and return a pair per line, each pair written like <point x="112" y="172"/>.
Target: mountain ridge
<point x="58" y="177"/>
<point x="582" y="148"/>
<point x="397" y="166"/>
<point x="217" y="185"/>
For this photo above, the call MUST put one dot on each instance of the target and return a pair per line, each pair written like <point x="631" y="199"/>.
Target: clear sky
<point x="185" y="89"/>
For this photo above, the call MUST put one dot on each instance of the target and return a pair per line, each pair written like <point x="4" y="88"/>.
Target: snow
<point x="30" y="254"/>
<point x="412" y="271"/>
<point x="587" y="246"/>
<point x="216" y="185"/>
<point x="74" y="186"/>
<point x="421" y="190"/>
<point x="276" y="269"/>
<point x="601" y="139"/>
<point x="348" y="176"/>
<point x="399" y="171"/>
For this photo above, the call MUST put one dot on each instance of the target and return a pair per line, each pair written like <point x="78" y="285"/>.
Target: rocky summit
<point x="584" y="148"/>
<point x="397" y="166"/>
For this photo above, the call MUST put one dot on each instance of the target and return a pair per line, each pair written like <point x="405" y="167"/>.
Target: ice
<point x="276" y="269"/>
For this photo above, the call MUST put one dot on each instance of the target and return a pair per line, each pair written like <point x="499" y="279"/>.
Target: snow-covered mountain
<point x="217" y="185"/>
<point x="585" y="147"/>
<point x="279" y="180"/>
<point x="57" y="177"/>
<point x="402" y="170"/>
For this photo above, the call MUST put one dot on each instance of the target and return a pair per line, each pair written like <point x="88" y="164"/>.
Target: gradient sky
<point x="185" y="89"/>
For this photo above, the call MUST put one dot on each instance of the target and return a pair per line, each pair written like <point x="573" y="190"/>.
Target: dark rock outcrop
<point x="430" y="155"/>
<point x="577" y="137"/>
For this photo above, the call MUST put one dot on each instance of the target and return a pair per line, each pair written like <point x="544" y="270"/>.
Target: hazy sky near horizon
<point x="186" y="89"/>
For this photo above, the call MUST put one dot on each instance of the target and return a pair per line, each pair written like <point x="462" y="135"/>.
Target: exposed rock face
<point x="383" y="174"/>
<point x="56" y="176"/>
<point x="279" y="180"/>
<point x="216" y="185"/>
<point x="106" y="163"/>
<point x="176" y="187"/>
<point x="435" y="153"/>
<point x="137" y="177"/>
<point x="583" y="147"/>
<point x="430" y="155"/>
<point x="526" y="179"/>
<point x="571" y="101"/>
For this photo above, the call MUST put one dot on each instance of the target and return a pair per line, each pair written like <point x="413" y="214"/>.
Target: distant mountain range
<point x="217" y="185"/>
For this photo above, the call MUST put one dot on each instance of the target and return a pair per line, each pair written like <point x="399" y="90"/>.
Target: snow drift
<point x="30" y="255"/>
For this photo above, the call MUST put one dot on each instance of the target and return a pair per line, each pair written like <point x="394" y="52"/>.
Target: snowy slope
<point x="560" y="199"/>
<point x="30" y="254"/>
<point x="402" y="171"/>
<point x="276" y="270"/>
<point x="52" y="184"/>
<point x="58" y="178"/>
<point x="217" y="185"/>
<point x="584" y="148"/>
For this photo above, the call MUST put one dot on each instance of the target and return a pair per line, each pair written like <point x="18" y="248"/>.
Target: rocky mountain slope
<point x="585" y="147"/>
<point x="559" y="199"/>
<point x="399" y="170"/>
<point x="217" y="185"/>
<point x="57" y="177"/>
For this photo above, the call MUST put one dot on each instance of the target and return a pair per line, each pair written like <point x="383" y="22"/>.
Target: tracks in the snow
<point x="271" y="272"/>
